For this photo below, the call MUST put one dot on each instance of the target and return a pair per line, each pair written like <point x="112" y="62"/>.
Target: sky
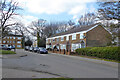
<point x="55" y="10"/>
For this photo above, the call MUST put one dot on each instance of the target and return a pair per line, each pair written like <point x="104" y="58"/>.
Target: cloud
<point x="53" y="6"/>
<point x="26" y="19"/>
<point x="72" y="7"/>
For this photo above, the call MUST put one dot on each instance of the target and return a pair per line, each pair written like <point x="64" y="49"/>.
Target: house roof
<point x="15" y="35"/>
<point x="78" y="29"/>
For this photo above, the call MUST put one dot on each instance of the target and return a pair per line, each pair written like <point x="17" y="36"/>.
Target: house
<point x="81" y="37"/>
<point x="14" y="40"/>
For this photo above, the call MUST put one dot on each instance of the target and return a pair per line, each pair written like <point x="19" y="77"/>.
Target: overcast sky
<point x="55" y="10"/>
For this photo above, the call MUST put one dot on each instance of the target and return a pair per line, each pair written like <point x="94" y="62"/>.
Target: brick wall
<point x="97" y="37"/>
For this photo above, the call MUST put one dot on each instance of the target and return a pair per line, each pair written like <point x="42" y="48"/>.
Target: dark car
<point x="11" y="47"/>
<point x="27" y="48"/>
<point x="31" y="48"/>
<point x="4" y="47"/>
<point x="35" y="49"/>
<point x="42" y="50"/>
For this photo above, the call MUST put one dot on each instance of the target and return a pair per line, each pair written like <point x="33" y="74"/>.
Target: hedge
<point x="112" y="53"/>
<point x="7" y="52"/>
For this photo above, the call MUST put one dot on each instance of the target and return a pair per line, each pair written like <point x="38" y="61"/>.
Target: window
<point x="18" y="46"/>
<point x="7" y="41"/>
<point x="53" y="40"/>
<point x="62" y="38"/>
<point x="47" y="46"/>
<point x="57" y="39"/>
<point x="0" y="41"/>
<point x="19" y="37"/>
<point x="4" y="41"/>
<point x="82" y="36"/>
<point x="74" y="37"/>
<point x="13" y="37"/>
<point x="18" y="41"/>
<point x="53" y="46"/>
<point x="10" y="37"/>
<point x="10" y="41"/>
<point x="50" y="40"/>
<point x="7" y="37"/>
<point x="67" y="38"/>
<point x="46" y="41"/>
<point x="62" y="46"/>
<point x="13" y="41"/>
<point x="75" y="46"/>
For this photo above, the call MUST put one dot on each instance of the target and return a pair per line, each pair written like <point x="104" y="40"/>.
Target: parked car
<point x="35" y="49"/>
<point x="42" y="50"/>
<point x="11" y="47"/>
<point x="27" y="48"/>
<point x="4" y="47"/>
<point x="31" y="48"/>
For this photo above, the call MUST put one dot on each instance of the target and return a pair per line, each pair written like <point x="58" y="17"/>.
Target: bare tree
<point x="110" y="11"/>
<point x="8" y="10"/>
<point x="87" y="19"/>
<point x="37" y="28"/>
<point x="50" y="29"/>
<point x="21" y="29"/>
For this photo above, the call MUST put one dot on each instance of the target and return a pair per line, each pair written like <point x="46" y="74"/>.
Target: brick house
<point x="14" y="40"/>
<point x="81" y="37"/>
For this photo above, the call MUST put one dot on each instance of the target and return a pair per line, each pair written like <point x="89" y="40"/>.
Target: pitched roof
<point x="15" y="35"/>
<point x="78" y="29"/>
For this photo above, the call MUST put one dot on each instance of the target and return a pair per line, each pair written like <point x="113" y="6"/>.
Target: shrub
<point x="101" y="52"/>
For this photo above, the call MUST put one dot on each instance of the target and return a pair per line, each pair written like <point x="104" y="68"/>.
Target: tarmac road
<point x="52" y="65"/>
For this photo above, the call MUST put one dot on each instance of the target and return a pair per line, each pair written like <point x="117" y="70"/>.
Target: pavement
<point x="57" y="65"/>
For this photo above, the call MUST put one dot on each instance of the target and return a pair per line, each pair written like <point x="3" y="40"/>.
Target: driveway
<point x="58" y="66"/>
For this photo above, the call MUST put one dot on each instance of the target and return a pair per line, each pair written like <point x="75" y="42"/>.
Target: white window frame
<point x="67" y="38"/>
<point x="74" y="37"/>
<point x="57" y="39"/>
<point x="62" y="38"/>
<point x="19" y="42"/>
<point x="19" y="38"/>
<point x="53" y="40"/>
<point x="46" y="41"/>
<point x="13" y="37"/>
<point x="82" y="36"/>
<point x="62" y="46"/>
<point x="18" y="46"/>
<point x="13" y="41"/>
<point x="4" y="41"/>
<point x="75" y="46"/>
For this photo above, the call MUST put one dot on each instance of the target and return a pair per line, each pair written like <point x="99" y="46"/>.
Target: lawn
<point x="6" y="52"/>
<point x="54" y="79"/>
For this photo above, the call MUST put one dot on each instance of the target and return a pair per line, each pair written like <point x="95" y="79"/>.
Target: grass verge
<point x="53" y="79"/>
<point x="6" y="52"/>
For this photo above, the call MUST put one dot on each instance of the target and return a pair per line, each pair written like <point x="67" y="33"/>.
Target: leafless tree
<point x="8" y="10"/>
<point x="36" y="29"/>
<point x="22" y="30"/>
<point x="87" y="19"/>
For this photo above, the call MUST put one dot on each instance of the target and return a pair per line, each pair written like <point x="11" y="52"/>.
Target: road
<point x="51" y="65"/>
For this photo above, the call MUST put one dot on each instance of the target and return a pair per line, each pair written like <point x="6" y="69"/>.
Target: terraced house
<point x="14" y="40"/>
<point x="81" y="37"/>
